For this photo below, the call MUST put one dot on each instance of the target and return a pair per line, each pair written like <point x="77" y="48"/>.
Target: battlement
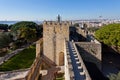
<point x="55" y="23"/>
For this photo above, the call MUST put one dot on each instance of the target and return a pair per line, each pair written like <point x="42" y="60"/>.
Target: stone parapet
<point x="71" y="66"/>
<point x="85" y="71"/>
<point x="91" y="51"/>
<point x="14" y="75"/>
<point x="67" y="72"/>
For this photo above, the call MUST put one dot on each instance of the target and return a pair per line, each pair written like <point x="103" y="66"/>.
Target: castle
<point x="64" y="54"/>
<point x="54" y="34"/>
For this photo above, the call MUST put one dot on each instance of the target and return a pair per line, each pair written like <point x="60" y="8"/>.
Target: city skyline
<point x="49" y="9"/>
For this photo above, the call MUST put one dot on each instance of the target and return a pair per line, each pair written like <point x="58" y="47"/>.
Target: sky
<point x="68" y="9"/>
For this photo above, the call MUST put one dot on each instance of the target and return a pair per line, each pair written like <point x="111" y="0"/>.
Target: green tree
<point x="4" y="26"/>
<point x="114" y="76"/>
<point x="5" y="40"/>
<point x="26" y="31"/>
<point x="28" y="24"/>
<point x="27" y="34"/>
<point x="40" y="30"/>
<point x="76" y="24"/>
<point x="85" y="25"/>
<point x="109" y="34"/>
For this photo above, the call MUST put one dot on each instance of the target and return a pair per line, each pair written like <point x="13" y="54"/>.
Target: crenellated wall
<point x="72" y="70"/>
<point x="81" y="31"/>
<point x="90" y="51"/>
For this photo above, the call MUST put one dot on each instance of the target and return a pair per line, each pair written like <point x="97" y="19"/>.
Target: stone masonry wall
<point x="54" y="34"/>
<point x="90" y="51"/>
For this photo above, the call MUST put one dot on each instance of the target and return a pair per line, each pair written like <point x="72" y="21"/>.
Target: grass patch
<point x="20" y="61"/>
<point x="60" y="76"/>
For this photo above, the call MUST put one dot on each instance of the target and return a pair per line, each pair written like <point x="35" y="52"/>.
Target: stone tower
<point x="54" y="34"/>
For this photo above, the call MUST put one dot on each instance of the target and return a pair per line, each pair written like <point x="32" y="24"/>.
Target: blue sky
<point x="49" y="9"/>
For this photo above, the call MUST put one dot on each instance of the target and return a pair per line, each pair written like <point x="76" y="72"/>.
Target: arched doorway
<point x="61" y="59"/>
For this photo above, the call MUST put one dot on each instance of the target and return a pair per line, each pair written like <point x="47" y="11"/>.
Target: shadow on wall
<point x="92" y="64"/>
<point x="94" y="72"/>
<point x="76" y="36"/>
<point x="110" y="56"/>
<point x="47" y="63"/>
<point x="90" y="52"/>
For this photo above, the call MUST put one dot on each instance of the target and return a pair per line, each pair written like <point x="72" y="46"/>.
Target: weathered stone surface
<point x="37" y="48"/>
<point x="91" y="52"/>
<point x="54" y="34"/>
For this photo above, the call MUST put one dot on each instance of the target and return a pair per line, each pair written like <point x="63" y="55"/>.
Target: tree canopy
<point x="22" y="33"/>
<point x="92" y="29"/>
<point x="26" y="30"/>
<point x="4" y="26"/>
<point x="114" y="76"/>
<point x="109" y="34"/>
<point x="27" y="33"/>
<point x="5" y="39"/>
<point x="28" y="24"/>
